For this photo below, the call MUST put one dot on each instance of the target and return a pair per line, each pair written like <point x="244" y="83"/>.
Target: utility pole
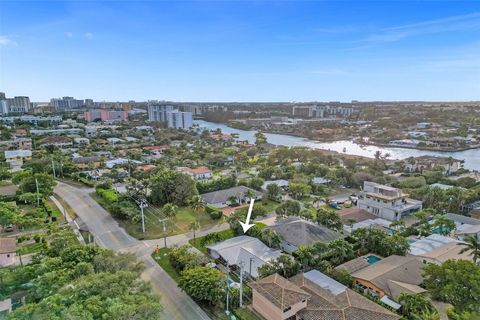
<point x="143" y="204"/>
<point x="242" y="265"/>
<point x="250" y="269"/>
<point x="227" y="312"/>
<point x="53" y="167"/>
<point x="38" y="192"/>
<point x="164" y="231"/>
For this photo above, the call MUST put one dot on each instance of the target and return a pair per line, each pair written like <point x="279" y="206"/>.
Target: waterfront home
<point x="246" y="251"/>
<point x="223" y="198"/>
<point x="448" y="165"/>
<point x="312" y="295"/>
<point x="296" y="232"/>
<point x="386" y="202"/>
<point x="8" y="249"/>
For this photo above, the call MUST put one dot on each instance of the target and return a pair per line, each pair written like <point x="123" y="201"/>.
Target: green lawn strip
<point x="30" y="248"/>
<point x="162" y="259"/>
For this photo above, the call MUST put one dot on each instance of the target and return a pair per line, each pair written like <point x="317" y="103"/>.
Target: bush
<point x="109" y="195"/>
<point x="217" y="214"/>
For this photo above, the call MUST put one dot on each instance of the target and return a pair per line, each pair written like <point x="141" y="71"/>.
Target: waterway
<point x="471" y="157"/>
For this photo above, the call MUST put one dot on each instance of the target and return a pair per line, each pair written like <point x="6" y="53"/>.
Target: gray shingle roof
<point x="222" y="196"/>
<point x="300" y="232"/>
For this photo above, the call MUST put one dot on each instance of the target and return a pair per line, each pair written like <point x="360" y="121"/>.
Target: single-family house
<point x="222" y="198"/>
<point x="311" y="296"/>
<point x="386" y="202"/>
<point x="296" y="232"/>
<point x="16" y="158"/>
<point x="389" y="277"/>
<point x="202" y="174"/>
<point x="243" y="250"/>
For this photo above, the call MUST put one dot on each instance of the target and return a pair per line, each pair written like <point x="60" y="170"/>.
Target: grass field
<point x="154" y="228"/>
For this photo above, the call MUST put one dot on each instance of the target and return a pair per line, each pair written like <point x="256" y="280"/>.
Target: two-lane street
<point x="110" y="235"/>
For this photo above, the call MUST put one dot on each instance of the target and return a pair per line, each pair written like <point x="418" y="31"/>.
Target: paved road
<point x="108" y="234"/>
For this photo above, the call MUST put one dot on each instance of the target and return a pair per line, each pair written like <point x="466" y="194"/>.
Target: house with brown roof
<point x="389" y="277"/>
<point x="198" y="174"/>
<point x="8" y="249"/>
<point x="313" y="296"/>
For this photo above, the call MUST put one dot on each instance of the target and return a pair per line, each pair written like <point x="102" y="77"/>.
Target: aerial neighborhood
<point x="227" y="221"/>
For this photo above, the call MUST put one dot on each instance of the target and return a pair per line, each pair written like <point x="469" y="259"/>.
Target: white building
<point x="66" y="103"/>
<point x="386" y="202"/>
<point x="173" y="117"/>
<point x="202" y="174"/>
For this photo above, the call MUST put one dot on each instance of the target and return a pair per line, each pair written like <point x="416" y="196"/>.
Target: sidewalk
<point x="71" y="222"/>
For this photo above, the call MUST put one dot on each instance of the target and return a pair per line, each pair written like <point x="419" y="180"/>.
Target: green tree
<point x="288" y="208"/>
<point x="299" y="190"/>
<point x="285" y="265"/>
<point x="274" y="191"/>
<point x="203" y="284"/>
<point x="9" y="213"/>
<point x="169" y="186"/>
<point x="260" y="139"/>
<point x="329" y="218"/>
<point x="45" y="184"/>
<point x="443" y="224"/>
<point x="339" y="251"/>
<point x="197" y="204"/>
<point x="194" y="226"/>
<point x="456" y="282"/>
<point x="414" y="305"/>
<point x="472" y="245"/>
<point x="169" y="210"/>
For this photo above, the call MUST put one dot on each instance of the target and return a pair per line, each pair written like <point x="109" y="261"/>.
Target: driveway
<point x="108" y="234"/>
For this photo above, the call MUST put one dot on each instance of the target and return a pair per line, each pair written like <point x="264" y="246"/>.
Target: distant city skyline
<point x="241" y="51"/>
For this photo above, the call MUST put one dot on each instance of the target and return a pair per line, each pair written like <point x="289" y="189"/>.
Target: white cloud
<point x="68" y="34"/>
<point x="7" y="41"/>
<point x="454" y="23"/>
<point x="88" y="35"/>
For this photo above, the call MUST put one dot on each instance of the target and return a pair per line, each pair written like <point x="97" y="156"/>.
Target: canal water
<point x="471" y="157"/>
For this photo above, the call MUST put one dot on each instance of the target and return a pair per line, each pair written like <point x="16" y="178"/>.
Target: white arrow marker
<point x="247" y="224"/>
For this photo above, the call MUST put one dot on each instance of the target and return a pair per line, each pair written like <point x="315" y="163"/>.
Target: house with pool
<point x="385" y="278"/>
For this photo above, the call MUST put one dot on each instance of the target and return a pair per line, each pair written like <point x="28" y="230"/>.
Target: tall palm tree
<point x="196" y="204"/>
<point x="169" y="210"/>
<point x="249" y="194"/>
<point x="194" y="226"/>
<point x="415" y="305"/>
<point x="472" y="243"/>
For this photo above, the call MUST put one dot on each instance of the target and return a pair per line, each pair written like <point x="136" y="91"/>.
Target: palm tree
<point x="249" y="194"/>
<point x="304" y="255"/>
<point x="196" y="204"/>
<point x="194" y="226"/>
<point x="415" y="305"/>
<point x="398" y="225"/>
<point x="472" y="243"/>
<point x="169" y="210"/>
<point x="340" y="251"/>
<point x="233" y="200"/>
<point x="444" y="225"/>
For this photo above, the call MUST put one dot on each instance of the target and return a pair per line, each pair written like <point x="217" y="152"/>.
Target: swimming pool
<point x="372" y="259"/>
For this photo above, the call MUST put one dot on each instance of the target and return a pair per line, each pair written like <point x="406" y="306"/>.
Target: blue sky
<point x="241" y="50"/>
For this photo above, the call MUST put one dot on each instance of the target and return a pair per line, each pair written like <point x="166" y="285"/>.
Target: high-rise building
<point x="18" y="104"/>
<point x="66" y="103"/>
<point x="172" y="117"/>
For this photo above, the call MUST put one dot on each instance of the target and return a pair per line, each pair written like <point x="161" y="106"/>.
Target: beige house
<point x="311" y="296"/>
<point x="8" y="249"/>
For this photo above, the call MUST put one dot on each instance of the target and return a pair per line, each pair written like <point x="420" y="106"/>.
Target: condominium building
<point x="386" y="202"/>
<point x="171" y="116"/>
<point x="19" y="104"/>
<point x="105" y="115"/>
<point x="66" y="103"/>
<point x="322" y="111"/>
